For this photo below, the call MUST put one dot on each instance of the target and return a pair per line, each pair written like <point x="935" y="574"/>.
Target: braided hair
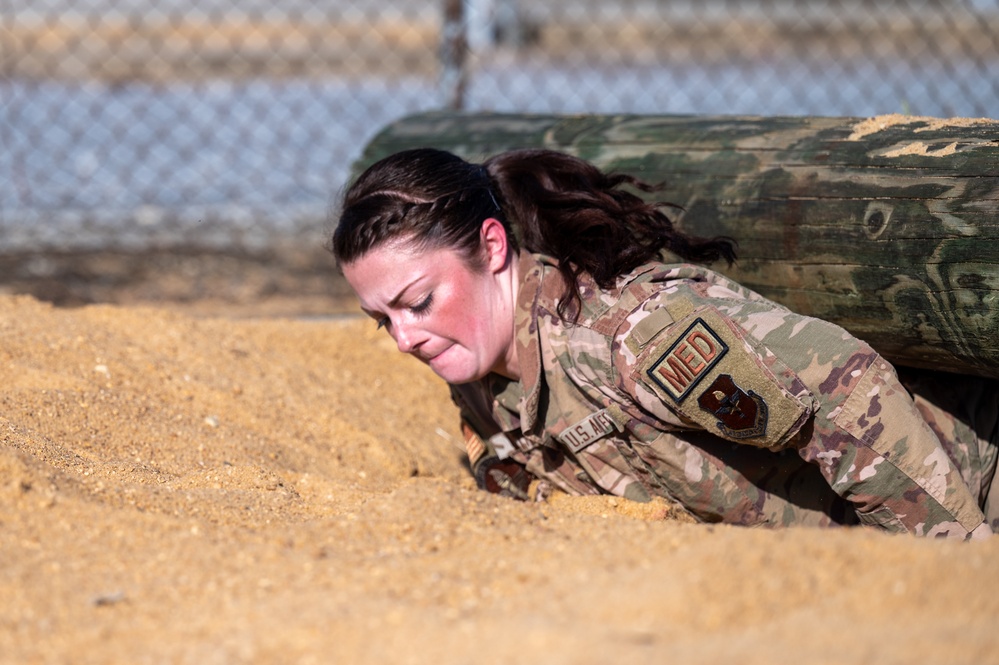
<point x="549" y="203"/>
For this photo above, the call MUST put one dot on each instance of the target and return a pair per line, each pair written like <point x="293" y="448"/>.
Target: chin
<point x="458" y="375"/>
<point x="458" y="378"/>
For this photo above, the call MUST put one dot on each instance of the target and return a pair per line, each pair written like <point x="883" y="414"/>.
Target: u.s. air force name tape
<point x="588" y="430"/>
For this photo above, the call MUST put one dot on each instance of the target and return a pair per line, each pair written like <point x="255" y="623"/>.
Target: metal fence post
<point x="454" y="51"/>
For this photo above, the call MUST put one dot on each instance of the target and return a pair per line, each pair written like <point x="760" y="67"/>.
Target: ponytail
<point x="570" y="210"/>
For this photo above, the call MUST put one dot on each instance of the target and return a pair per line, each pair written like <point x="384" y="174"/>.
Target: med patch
<point x="688" y="360"/>
<point x="704" y="369"/>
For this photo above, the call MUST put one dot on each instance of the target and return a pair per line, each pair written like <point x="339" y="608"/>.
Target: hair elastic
<point x="485" y="174"/>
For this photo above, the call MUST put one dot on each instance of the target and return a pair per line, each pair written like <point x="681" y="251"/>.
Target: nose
<point x="407" y="338"/>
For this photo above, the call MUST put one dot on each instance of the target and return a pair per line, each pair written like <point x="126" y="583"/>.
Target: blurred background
<point x="192" y="152"/>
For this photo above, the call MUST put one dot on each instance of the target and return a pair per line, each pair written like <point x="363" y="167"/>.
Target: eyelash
<point x="423" y="306"/>
<point x="418" y="309"/>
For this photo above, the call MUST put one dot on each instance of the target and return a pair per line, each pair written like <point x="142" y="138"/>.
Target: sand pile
<point x="192" y="490"/>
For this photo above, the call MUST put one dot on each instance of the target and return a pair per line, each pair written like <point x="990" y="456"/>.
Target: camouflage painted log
<point x="887" y="226"/>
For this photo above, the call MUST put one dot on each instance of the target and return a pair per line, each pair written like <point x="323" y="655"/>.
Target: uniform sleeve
<point x="757" y="374"/>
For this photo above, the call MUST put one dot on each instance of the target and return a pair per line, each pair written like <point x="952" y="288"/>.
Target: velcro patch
<point x="588" y="430"/>
<point x="650" y="326"/>
<point x="702" y="369"/>
<point x="688" y="360"/>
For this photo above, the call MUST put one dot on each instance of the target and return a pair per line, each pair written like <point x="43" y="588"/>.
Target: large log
<point x="887" y="226"/>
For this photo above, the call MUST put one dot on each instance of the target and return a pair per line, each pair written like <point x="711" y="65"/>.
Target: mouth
<point x="430" y="359"/>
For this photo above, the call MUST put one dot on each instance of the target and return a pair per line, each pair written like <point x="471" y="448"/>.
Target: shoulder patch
<point x="688" y="360"/>
<point x="702" y="369"/>
<point x="741" y="414"/>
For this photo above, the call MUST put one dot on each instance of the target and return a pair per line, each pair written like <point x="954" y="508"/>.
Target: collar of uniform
<point x="506" y="394"/>
<point x="526" y="337"/>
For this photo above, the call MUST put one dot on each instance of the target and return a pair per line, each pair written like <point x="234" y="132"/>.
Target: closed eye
<point x="424" y="305"/>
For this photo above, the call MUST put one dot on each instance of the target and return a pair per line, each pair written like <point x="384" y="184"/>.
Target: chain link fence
<point x="131" y="124"/>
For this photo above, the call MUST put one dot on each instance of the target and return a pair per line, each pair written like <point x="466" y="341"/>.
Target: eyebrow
<point x="394" y="303"/>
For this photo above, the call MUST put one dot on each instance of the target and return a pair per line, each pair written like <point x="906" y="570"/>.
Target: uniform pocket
<point x="883" y="517"/>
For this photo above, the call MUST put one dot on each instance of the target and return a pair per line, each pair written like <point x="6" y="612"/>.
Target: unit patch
<point x="688" y="360"/>
<point x="591" y="428"/>
<point x="741" y="414"/>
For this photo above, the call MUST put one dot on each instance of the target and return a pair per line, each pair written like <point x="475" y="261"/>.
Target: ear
<point x="494" y="243"/>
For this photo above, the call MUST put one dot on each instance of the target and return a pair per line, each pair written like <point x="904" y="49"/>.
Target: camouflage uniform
<point x="680" y="383"/>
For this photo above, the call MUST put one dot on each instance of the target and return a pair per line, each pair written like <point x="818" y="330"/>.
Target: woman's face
<point x="457" y="320"/>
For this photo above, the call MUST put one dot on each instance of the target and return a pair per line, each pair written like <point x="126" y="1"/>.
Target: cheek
<point x="466" y="315"/>
<point x="463" y="323"/>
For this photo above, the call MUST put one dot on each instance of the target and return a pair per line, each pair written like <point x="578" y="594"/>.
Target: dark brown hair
<point x="549" y="202"/>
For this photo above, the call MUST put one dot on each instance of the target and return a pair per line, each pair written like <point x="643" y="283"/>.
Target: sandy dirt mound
<point x="198" y="490"/>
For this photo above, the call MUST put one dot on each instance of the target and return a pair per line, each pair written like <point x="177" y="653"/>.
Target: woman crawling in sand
<point x="587" y="351"/>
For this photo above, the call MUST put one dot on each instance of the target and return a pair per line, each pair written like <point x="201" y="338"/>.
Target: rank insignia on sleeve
<point x="688" y="360"/>
<point x="741" y="414"/>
